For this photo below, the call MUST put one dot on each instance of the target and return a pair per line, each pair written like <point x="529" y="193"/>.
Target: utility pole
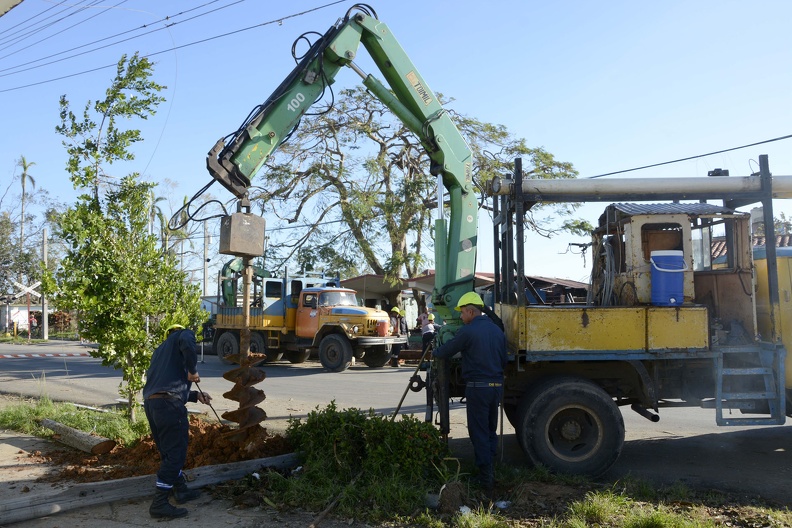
<point x="206" y="261"/>
<point x="44" y="306"/>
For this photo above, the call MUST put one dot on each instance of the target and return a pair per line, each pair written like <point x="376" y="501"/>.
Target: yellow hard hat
<point x="469" y="298"/>
<point x="173" y="327"/>
<point x="402" y="312"/>
<point x="395" y="309"/>
<point x="431" y="317"/>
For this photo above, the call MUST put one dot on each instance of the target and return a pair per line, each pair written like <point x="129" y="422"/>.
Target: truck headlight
<point x="355" y="329"/>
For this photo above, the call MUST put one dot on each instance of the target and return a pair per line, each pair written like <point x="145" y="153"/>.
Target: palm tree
<point x="22" y="162"/>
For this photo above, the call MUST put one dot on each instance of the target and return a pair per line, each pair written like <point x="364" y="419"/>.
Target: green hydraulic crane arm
<point x="234" y="160"/>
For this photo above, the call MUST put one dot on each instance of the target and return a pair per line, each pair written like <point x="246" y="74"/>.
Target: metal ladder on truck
<point x="751" y="379"/>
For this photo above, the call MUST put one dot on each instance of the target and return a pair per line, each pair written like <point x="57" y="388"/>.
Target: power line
<point x="31" y="18"/>
<point x="145" y="26"/>
<point x="209" y="39"/>
<point x="691" y="157"/>
<point x="106" y="9"/>
<point x="32" y="31"/>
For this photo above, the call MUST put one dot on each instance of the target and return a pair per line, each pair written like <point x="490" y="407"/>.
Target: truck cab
<point x="299" y="317"/>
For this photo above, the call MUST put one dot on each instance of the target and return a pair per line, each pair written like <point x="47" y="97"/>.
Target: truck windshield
<point x="337" y="299"/>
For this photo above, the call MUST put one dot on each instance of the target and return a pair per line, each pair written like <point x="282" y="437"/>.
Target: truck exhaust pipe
<point x="646" y="413"/>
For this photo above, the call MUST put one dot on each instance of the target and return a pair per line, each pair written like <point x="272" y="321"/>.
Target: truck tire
<point x="335" y="353"/>
<point x="298" y="356"/>
<point x="257" y="346"/>
<point x="377" y="356"/>
<point x="227" y="345"/>
<point x="570" y="425"/>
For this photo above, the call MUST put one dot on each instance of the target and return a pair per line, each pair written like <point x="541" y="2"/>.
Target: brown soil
<point x="210" y="444"/>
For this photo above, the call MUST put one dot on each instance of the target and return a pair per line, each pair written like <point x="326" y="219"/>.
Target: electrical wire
<point x="103" y="11"/>
<point x="44" y="20"/>
<point x="690" y="157"/>
<point x="167" y="19"/>
<point x="31" y="18"/>
<point x="189" y="44"/>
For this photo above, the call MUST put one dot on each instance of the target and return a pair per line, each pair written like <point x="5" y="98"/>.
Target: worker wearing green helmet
<point x="482" y="345"/>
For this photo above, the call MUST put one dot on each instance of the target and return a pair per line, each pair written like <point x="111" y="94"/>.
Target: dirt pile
<point x="210" y="444"/>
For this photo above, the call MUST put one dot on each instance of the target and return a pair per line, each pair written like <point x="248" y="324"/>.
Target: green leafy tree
<point x="21" y="232"/>
<point x="358" y="181"/>
<point x="24" y="178"/>
<point x="114" y="273"/>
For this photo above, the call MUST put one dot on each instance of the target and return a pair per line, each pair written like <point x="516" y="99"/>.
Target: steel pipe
<point x="576" y="190"/>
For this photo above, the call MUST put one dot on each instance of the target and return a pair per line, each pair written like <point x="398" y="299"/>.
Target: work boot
<point x="486" y="478"/>
<point x="161" y="507"/>
<point x="181" y="493"/>
<point x="394" y="362"/>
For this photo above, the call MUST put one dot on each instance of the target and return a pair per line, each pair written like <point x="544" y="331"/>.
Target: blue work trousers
<point x="426" y="340"/>
<point x="482" y="421"/>
<point x="170" y="430"/>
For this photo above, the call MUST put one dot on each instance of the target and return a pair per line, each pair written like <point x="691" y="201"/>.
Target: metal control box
<point x="242" y="235"/>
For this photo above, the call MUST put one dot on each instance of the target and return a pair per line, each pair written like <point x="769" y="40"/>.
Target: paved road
<point x="685" y="445"/>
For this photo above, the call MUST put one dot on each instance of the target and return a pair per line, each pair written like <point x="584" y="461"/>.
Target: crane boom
<point x="234" y="160"/>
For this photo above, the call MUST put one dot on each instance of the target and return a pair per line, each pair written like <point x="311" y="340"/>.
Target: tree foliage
<point x="21" y="230"/>
<point x="125" y="288"/>
<point x="353" y="185"/>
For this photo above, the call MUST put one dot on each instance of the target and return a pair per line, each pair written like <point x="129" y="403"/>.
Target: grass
<point x="22" y="338"/>
<point x="531" y="497"/>
<point x="24" y="417"/>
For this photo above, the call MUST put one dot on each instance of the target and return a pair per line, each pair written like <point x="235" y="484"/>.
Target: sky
<point x="606" y="86"/>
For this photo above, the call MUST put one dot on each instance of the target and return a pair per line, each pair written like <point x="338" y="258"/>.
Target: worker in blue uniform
<point x="483" y="347"/>
<point x="172" y="370"/>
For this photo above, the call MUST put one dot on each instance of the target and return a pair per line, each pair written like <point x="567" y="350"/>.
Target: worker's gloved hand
<point x="204" y="398"/>
<point x="195" y="378"/>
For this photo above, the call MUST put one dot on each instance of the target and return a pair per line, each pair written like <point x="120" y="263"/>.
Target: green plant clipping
<point x="393" y="463"/>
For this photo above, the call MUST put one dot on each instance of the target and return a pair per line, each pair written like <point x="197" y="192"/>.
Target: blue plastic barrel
<point x="668" y="276"/>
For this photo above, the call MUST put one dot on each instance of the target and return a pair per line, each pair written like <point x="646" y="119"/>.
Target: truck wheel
<point x="299" y="356"/>
<point x="377" y="356"/>
<point x="335" y="353"/>
<point x="227" y="345"/>
<point x="510" y="410"/>
<point x="570" y="426"/>
<point x="257" y="346"/>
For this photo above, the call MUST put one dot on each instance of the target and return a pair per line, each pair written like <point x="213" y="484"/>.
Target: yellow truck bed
<point x="587" y="332"/>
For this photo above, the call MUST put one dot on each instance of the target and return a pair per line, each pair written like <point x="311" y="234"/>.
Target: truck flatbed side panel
<point x="675" y="327"/>
<point x="636" y="332"/>
<point x="232" y="318"/>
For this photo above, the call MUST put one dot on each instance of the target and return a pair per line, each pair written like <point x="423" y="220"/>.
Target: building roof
<point x="567" y="283"/>
<point x="371" y="285"/>
<point x="672" y="208"/>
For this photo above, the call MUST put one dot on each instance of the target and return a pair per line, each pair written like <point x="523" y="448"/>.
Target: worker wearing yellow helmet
<point x="173" y="368"/>
<point x="396" y="330"/>
<point x="428" y="332"/>
<point x="482" y="345"/>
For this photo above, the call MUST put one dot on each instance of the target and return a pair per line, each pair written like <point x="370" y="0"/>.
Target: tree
<point x="24" y="177"/>
<point x="114" y="272"/>
<point x="20" y="233"/>
<point x="781" y="224"/>
<point x="357" y="180"/>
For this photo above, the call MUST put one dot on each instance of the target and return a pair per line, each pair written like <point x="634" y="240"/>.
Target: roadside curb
<point x="53" y="354"/>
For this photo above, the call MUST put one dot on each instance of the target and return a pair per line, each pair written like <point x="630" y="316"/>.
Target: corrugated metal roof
<point x="567" y="283"/>
<point x="671" y="208"/>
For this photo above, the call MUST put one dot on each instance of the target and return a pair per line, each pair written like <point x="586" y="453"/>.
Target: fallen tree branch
<point x="96" y="445"/>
